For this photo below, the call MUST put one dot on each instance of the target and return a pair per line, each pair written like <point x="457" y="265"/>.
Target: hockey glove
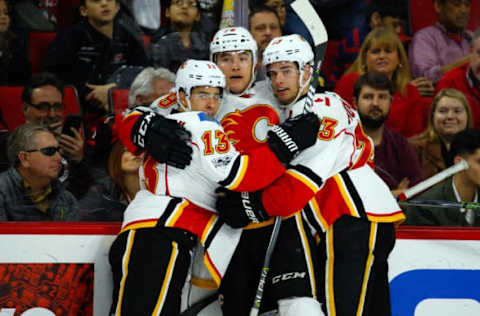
<point x="238" y="209"/>
<point x="294" y="135"/>
<point x="163" y="139"/>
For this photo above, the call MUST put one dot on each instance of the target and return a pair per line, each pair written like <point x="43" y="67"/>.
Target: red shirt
<point x="406" y="113"/>
<point x="457" y="79"/>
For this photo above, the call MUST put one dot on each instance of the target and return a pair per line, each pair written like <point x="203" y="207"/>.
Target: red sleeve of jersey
<point x="124" y="126"/>
<point x="262" y="169"/>
<point x="286" y="196"/>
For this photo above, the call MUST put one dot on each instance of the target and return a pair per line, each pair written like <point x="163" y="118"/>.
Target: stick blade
<point x="306" y="12"/>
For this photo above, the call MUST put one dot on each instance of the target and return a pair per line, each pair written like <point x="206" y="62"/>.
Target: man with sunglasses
<point x="43" y="104"/>
<point x="30" y="189"/>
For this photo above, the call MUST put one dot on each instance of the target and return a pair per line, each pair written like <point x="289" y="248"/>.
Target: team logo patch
<point x="248" y="128"/>
<point x="222" y="161"/>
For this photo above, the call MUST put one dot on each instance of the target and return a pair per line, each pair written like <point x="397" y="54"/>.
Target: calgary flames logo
<point x="248" y="128"/>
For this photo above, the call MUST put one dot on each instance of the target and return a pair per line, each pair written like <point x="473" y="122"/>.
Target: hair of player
<point x="40" y="80"/>
<point x="143" y="83"/>
<point x="465" y="143"/>
<point x="385" y="38"/>
<point x="451" y="93"/>
<point x="22" y="139"/>
<point x="375" y="80"/>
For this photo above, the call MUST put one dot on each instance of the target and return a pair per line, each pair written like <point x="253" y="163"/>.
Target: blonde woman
<point x="450" y="113"/>
<point x="383" y="51"/>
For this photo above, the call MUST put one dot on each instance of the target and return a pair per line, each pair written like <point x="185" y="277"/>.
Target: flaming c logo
<point x="248" y="128"/>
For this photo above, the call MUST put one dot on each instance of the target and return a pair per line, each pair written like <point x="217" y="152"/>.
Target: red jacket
<point x="406" y="113"/>
<point x="457" y="79"/>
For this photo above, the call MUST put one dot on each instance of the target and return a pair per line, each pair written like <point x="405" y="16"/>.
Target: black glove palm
<point x="163" y="139"/>
<point x="238" y="209"/>
<point x="294" y="135"/>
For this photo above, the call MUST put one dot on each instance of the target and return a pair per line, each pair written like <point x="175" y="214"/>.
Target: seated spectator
<point x="448" y="115"/>
<point x="89" y="52"/>
<point x="30" y="190"/>
<point x="379" y="14"/>
<point x="263" y="24"/>
<point x="466" y="79"/>
<point x="42" y="104"/>
<point x="445" y="45"/>
<point x="150" y="84"/>
<point x="396" y="161"/>
<point x="383" y="51"/>
<point x="14" y="62"/>
<point x="181" y="39"/>
<point x="464" y="186"/>
<point x="108" y="200"/>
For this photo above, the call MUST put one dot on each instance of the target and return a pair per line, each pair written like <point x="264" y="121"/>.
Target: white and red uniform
<point x="176" y="201"/>
<point x="335" y="171"/>
<point x="341" y="195"/>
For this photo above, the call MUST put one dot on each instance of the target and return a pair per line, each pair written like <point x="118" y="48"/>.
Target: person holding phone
<point x="42" y="104"/>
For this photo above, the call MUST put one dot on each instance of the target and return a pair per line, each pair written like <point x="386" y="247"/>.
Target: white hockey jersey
<point x="184" y="198"/>
<point x="333" y="177"/>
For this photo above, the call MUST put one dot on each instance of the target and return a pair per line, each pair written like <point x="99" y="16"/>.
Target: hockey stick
<point x="266" y="266"/>
<point x="314" y="24"/>
<point x="442" y="204"/>
<point x="462" y="165"/>
<point x="306" y="12"/>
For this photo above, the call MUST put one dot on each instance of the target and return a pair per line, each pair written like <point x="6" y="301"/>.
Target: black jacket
<point x="81" y="54"/>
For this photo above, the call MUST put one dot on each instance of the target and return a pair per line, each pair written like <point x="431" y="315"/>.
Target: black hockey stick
<point x="306" y="12"/>
<point x="266" y="266"/>
<point x="442" y="204"/>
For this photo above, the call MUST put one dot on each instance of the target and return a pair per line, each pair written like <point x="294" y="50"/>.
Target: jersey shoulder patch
<point x="166" y="101"/>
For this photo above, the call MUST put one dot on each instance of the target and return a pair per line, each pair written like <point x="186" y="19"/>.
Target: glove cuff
<point x="252" y="203"/>
<point x="140" y="129"/>
<point x="282" y="145"/>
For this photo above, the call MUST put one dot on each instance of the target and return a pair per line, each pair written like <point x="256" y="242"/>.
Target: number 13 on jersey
<point x="215" y="142"/>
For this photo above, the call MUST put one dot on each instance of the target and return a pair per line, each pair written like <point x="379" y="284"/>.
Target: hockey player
<point x="249" y="109"/>
<point x="248" y="113"/>
<point x="334" y="185"/>
<point x="151" y="256"/>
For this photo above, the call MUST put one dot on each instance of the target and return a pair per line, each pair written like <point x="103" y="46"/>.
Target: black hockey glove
<point x="238" y="209"/>
<point x="163" y="139"/>
<point x="294" y="135"/>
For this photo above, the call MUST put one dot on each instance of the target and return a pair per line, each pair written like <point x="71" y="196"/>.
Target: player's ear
<point x="183" y="98"/>
<point x="307" y="74"/>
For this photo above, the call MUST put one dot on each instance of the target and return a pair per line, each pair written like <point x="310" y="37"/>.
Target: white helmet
<point x="235" y="39"/>
<point x="293" y="48"/>
<point x="194" y="73"/>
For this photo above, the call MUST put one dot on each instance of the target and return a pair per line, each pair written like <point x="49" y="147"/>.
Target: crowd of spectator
<point x="415" y="91"/>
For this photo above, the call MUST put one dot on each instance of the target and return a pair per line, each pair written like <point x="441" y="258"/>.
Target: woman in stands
<point x="383" y="51"/>
<point x="14" y="63"/>
<point x="450" y="113"/>
<point x="107" y="201"/>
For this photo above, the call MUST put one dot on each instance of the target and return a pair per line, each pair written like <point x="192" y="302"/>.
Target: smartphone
<point x="72" y="120"/>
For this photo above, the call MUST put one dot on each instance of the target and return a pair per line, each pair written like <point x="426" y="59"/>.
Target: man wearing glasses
<point x="42" y="104"/>
<point x="29" y="190"/>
